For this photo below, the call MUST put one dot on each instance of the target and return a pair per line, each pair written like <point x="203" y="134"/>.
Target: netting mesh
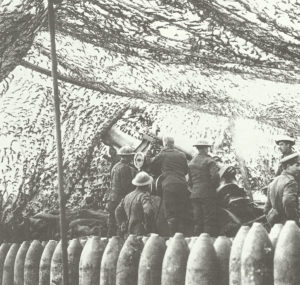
<point x="261" y="38"/>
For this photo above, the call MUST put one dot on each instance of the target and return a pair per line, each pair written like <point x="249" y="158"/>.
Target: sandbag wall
<point x="249" y="258"/>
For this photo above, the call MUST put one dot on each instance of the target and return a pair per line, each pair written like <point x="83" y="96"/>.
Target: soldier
<point x="135" y="213"/>
<point x="204" y="179"/>
<point x="285" y="145"/>
<point x="173" y="165"/>
<point x="282" y="202"/>
<point x="121" y="177"/>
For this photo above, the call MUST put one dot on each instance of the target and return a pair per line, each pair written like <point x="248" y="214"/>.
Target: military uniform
<point x="204" y="179"/>
<point x="283" y="198"/>
<point x="135" y="213"/>
<point x="121" y="177"/>
<point x="173" y="165"/>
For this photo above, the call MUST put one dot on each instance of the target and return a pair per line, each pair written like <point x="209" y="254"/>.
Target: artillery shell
<point x="4" y="248"/>
<point x="257" y="257"/>
<point x="90" y="260"/>
<point x="188" y="240"/>
<point x="45" y="263"/>
<point x="174" y="262"/>
<point x="109" y="261"/>
<point x="235" y="256"/>
<point x="8" y="268"/>
<point x="202" y="264"/>
<point x="83" y="241"/>
<point x="128" y="261"/>
<point x="151" y="261"/>
<point x="274" y="233"/>
<point x="144" y="239"/>
<point x="56" y="268"/>
<point x="32" y="263"/>
<point x="74" y="252"/>
<point x="20" y="262"/>
<point x="287" y="255"/>
<point x="192" y="242"/>
<point x="222" y="247"/>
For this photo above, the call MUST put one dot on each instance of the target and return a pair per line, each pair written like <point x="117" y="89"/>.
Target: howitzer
<point x="238" y="210"/>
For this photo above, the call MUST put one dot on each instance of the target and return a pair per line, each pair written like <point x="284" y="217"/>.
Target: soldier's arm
<point x="268" y="204"/>
<point x="185" y="165"/>
<point x="120" y="213"/>
<point x="190" y="181"/>
<point x="290" y="201"/>
<point x="214" y="174"/>
<point x="126" y="176"/>
<point x="156" y="160"/>
<point x="116" y="178"/>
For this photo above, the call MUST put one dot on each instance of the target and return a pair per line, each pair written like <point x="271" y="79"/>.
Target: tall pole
<point x="63" y="224"/>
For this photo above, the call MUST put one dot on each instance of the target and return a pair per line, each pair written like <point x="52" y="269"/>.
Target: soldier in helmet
<point x="204" y="179"/>
<point x="135" y="213"/>
<point x="285" y="145"/>
<point x="282" y="202"/>
<point x="121" y="176"/>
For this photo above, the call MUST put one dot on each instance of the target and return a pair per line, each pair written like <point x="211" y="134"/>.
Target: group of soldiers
<point x="190" y="188"/>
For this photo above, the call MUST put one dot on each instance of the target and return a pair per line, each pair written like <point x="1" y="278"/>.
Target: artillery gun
<point x="235" y="207"/>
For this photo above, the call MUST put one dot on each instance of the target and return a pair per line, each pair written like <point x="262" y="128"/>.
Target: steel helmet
<point x="202" y="143"/>
<point x="285" y="138"/>
<point x="142" y="179"/>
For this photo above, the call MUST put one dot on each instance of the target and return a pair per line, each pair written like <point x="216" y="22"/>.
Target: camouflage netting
<point x="224" y="70"/>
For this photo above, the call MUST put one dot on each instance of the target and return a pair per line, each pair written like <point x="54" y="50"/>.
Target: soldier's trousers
<point x="205" y="216"/>
<point x="175" y="205"/>
<point x="112" y="228"/>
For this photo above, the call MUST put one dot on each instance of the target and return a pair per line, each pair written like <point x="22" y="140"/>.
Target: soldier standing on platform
<point x="204" y="180"/>
<point x="121" y="176"/>
<point x="173" y="165"/>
